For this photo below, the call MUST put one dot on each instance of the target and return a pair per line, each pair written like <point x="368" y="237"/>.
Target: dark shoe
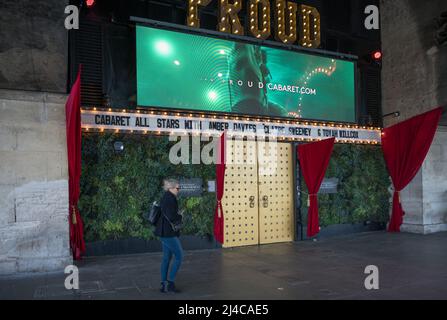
<point x="163" y="287"/>
<point x="172" y="288"/>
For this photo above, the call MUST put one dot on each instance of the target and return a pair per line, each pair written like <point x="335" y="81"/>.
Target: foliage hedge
<point x="117" y="189"/>
<point x="362" y="190"/>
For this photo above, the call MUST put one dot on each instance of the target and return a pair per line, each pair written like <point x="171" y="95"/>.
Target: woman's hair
<point x="169" y="184"/>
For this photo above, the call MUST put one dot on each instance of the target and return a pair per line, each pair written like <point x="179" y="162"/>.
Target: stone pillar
<point x="425" y="199"/>
<point x="34" y="234"/>
<point x="414" y="80"/>
<point x="434" y="185"/>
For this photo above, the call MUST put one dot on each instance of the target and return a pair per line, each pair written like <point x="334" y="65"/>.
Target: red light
<point x="90" y="3"/>
<point x="377" y="55"/>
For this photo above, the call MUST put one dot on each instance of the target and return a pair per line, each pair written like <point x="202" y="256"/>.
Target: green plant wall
<point x="117" y="189"/>
<point x="362" y="190"/>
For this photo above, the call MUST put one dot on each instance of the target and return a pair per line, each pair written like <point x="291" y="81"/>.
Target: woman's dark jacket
<point x="169" y="209"/>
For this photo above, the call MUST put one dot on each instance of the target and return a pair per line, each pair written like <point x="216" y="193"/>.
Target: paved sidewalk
<point x="411" y="267"/>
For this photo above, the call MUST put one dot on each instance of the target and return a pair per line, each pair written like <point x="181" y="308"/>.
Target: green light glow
<point x="163" y="47"/>
<point x="212" y="95"/>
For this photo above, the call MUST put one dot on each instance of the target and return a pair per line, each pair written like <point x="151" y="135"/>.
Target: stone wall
<point x="414" y="80"/>
<point x="33" y="45"/>
<point x="425" y="198"/>
<point x="434" y="182"/>
<point x="34" y="233"/>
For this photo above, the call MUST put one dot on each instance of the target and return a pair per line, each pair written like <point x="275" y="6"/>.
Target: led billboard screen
<point x="186" y="71"/>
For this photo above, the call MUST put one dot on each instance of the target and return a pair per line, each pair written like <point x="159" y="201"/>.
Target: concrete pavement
<point x="411" y="267"/>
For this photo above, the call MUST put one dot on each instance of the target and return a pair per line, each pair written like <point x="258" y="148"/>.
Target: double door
<point x="258" y="199"/>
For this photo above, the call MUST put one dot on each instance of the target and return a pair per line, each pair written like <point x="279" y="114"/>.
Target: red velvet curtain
<point x="314" y="160"/>
<point x="73" y="125"/>
<point x="405" y="147"/>
<point x="220" y="180"/>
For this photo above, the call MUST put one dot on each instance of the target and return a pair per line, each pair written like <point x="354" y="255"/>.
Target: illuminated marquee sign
<point x="169" y="124"/>
<point x="292" y="22"/>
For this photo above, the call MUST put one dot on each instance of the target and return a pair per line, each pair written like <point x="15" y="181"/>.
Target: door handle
<point x="252" y="201"/>
<point x="265" y="201"/>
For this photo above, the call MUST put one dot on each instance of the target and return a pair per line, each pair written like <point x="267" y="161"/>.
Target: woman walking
<point x="167" y="230"/>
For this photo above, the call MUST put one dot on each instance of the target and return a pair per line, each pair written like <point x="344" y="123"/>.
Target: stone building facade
<point x="34" y="233"/>
<point x="414" y="80"/>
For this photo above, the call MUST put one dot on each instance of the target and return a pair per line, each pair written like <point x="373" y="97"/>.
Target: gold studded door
<point x="276" y="204"/>
<point x="240" y="200"/>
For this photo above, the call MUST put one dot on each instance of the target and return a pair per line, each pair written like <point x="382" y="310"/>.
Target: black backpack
<point x="154" y="213"/>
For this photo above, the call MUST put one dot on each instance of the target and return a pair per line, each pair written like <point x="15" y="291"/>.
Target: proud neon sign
<point x="292" y="22"/>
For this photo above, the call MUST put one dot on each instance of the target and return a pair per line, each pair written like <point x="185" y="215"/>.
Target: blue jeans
<point x="171" y="246"/>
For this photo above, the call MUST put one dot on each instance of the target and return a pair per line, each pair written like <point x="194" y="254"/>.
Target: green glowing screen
<point x="183" y="71"/>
